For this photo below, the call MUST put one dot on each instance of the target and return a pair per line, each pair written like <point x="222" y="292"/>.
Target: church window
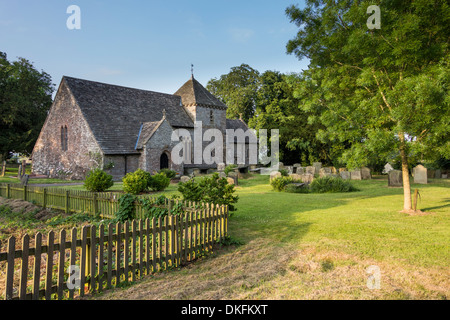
<point x="64" y="144"/>
<point x="211" y="116"/>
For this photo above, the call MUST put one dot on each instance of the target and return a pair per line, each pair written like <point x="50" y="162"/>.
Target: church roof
<point x="115" y="113"/>
<point x="146" y="132"/>
<point x="194" y="94"/>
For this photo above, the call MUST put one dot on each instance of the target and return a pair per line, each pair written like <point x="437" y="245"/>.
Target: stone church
<point x="92" y="124"/>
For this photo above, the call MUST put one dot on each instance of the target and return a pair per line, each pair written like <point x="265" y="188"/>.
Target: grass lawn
<point x="11" y="177"/>
<point x="319" y="246"/>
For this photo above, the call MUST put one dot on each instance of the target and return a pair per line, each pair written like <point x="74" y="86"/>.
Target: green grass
<point x="11" y="177"/>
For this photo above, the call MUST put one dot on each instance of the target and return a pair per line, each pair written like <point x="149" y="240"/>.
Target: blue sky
<point x="149" y="44"/>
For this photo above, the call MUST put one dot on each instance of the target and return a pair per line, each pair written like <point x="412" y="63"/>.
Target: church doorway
<point x="164" y="161"/>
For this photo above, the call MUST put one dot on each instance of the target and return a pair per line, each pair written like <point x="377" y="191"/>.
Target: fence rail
<point x="97" y="259"/>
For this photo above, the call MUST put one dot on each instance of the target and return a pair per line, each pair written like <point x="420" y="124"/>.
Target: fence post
<point x="67" y="207"/>
<point x="24" y="193"/>
<point x="8" y="191"/>
<point x="45" y="198"/>
<point x="95" y="204"/>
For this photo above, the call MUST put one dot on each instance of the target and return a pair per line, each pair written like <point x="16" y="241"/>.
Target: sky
<point x="149" y="44"/>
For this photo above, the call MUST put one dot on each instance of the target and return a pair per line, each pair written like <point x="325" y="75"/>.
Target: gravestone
<point x="24" y="180"/>
<point x="342" y="169"/>
<point x="221" y="167"/>
<point x="196" y="172"/>
<point x="310" y="170"/>
<point x="324" y="172"/>
<point x="300" y="170"/>
<point x="444" y="176"/>
<point x="274" y="174"/>
<point x="387" y="168"/>
<point x="395" y="178"/>
<point x="230" y="180"/>
<point x="420" y="174"/>
<point x="318" y="166"/>
<point x="365" y="173"/>
<point x="297" y="165"/>
<point x="290" y="169"/>
<point x="345" y="175"/>
<point x="295" y="176"/>
<point x="438" y="174"/>
<point x="222" y="175"/>
<point x="355" y="174"/>
<point x="280" y="165"/>
<point x="184" y="179"/>
<point x="333" y="170"/>
<point x="307" y="178"/>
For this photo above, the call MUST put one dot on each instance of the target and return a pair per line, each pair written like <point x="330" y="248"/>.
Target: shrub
<point x="332" y="185"/>
<point x="280" y="183"/>
<point x="292" y="188"/>
<point x="229" y="168"/>
<point x="127" y="209"/>
<point x="159" y="182"/>
<point x="136" y="182"/>
<point x="211" y="189"/>
<point x="169" y="173"/>
<point x="98" y="181"/>
<point x="284" y="172"/>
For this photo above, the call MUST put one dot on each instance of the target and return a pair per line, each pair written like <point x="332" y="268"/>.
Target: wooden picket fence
<point x="100" y="258"/>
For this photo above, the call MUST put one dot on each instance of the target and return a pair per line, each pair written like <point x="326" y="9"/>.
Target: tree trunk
<point x="405" y="172"/>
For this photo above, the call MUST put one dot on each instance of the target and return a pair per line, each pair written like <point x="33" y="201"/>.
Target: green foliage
<point x="280" y="183"/>
<point x="98" y="180"/>
<point x="229" y="168"/>
<point x="136" y="182"/>
<point x="169" y="173"/>
<point x="25" y="98"/>
<point x="284" y="172"/>
<point x="331" y="185"/>
<point x="291" y="188"/>
<point x="210" y="190"/>
<point x="230" y="241"/>
<point x="127" y="208"/>
<point x="159" y="182"/>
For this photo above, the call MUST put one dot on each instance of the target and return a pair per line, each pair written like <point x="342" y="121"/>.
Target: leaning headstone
<point x="355" y="174"/>
<point x="365" y="173"/>
<point x="345" y="175"/>
<point x="318" y="166"/>
<point x="395" y="178"/>
<point x="310" y="170"/>
<point x="387" y="168"/>
<point x="438" y="174"/>
<point x="420" y="174"/>
<point x="24" y="180"/>
<point x="184" y="179"/>
<point x="275" y="174"/>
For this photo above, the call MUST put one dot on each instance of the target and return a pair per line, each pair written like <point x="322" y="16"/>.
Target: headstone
<point x="274" y="174"/>
<point x="295" y="176"/>
<point x="221" y="167"/>
<point x="345" y="175"/>
<point x="387" y="168"/>
<point x="365" y="173"/>
<point x="230" y="180"/>
<point x="444" y="176"/>
<point x="222" y="175"/>
<point x="297" y="165"/>
<point x="310" y="170"/>
<point x="300" y="170"/>
<point x="355" y="174"/>
<point x="342" y="169"/>
<point x="395" y="178"/>
<point x="420" y="174"/>
<point x="196" y="172"/>
<point x="307" y="178"/>
<point x="24" y="180"/>
<point x="324" y="172"/>
<point x="280" y="165"/>
<point x="184" y="179"/>
<point x="290" y="169"/>
<point x="318" y="166"/>
<point x="438" y="174"/>
<point x="3" y="168"/>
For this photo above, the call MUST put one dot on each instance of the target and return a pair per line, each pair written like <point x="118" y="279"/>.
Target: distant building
<point x="122" y="129"/>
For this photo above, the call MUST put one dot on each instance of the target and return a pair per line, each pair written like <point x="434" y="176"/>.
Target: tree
<point x="378" y="90"/>
<point x="25" y="98"/>
<point x="237" y="89"/>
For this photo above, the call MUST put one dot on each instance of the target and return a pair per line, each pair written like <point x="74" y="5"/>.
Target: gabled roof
<point x="146" y="132"/>
<point x="115" y="113"/>
<point x="194" y="94"/>
<point x="236" y="124"/>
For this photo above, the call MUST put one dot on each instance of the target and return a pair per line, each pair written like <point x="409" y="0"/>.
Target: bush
<point x="280" y="183"/>
<point x="284" y="172"/>
<point x="136" y="182"/>
<point x="98" y="181"/>
<point x="229" y="168"/>
<point x="292" y="188"/>
<point x="127" y="209"/>
<point x="332" y="185"/>
<point x="210" y="190"/>
<point x="159" y="182"/>
<point x="169" y="173"/>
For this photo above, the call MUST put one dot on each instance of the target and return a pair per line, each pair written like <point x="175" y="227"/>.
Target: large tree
<point x="25" y="98"/>
<point x="380" y="90"/>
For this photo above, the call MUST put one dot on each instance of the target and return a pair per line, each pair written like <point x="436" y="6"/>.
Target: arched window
<point x="211" y="116"/>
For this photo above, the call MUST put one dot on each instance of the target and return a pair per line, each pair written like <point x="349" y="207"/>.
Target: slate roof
<point x="146" y="132"/>
<point x="236" y="124"/>
<point x="194" y="94"/>
<point x="115" y="113"/>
